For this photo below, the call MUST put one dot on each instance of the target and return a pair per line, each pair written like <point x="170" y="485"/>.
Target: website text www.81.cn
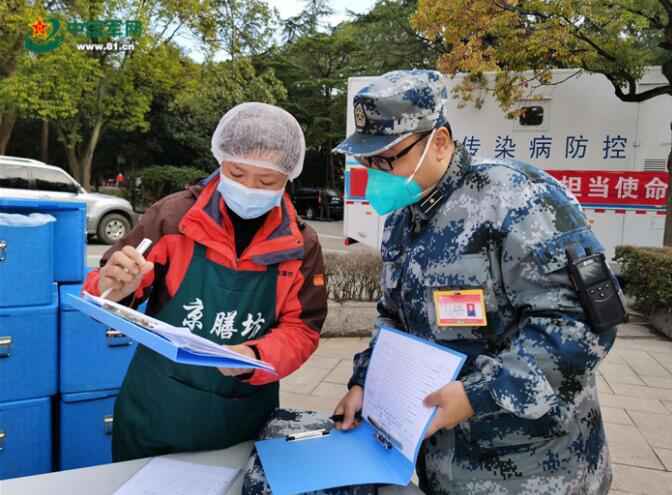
<point x="111" y="46"/>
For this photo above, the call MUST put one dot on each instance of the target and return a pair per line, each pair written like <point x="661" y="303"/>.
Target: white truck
<point x="612" y="155"/>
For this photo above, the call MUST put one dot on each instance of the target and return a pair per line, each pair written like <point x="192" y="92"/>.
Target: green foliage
<point x="53" y="85"/>
<point x="526" y="39"/>
<point x="308" y="22"/>
<point x="244" y="27"/>
<point x="116" y="111"/>
<point x="115" y="191"/>
<point x="316" y="62"/>
<point x="15" y="16"/>
<point x="86" y="93"/>
<point x="209" y="92"/>
<point x="314" y="70"/>
<point x="648" y="276"/>
<point x="386" y="40"/>
<point x="160" y="180"/>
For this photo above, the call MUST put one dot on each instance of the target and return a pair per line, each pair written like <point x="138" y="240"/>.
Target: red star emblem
<point x="39" y="28"/>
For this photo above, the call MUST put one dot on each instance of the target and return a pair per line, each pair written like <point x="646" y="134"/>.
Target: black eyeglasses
<point x="384" y="163"/>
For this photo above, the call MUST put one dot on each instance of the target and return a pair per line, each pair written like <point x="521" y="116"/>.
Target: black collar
<point x="425" y="209"/>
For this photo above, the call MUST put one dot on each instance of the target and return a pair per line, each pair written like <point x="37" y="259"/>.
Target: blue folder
<point x="342" y="458"/>
<point x="157" y="342"/>
<point x="364" y="455"/>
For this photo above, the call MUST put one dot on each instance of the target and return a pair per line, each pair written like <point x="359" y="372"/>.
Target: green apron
<point x="165" y="407"/>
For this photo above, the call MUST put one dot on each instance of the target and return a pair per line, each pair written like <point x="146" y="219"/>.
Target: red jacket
<point x="199" y="215"/>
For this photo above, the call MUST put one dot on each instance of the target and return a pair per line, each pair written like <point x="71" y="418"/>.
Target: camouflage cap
<point x="393" y="107"/>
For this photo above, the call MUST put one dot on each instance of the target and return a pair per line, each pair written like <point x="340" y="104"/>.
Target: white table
<point x="106" y="479"/>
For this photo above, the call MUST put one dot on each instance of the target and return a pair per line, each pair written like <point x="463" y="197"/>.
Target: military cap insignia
<point x="360" y="116"/>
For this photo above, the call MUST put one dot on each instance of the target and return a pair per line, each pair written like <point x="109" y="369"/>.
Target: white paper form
<point x="161" y="476"/>
<point x="402" y="372"/>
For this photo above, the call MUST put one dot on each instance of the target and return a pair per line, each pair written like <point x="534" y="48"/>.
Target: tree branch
<point x="571" y="76"/>
<point x="165" y="28"/>
<point x="521" y="12"/>
<point x="9" y="68"/>
<point x="655" y="21"/>
<point x="581" y="36"/>
<point x="632" y="96"/>
<point x="170" y="38"/>
<point x="437" y="46"/>
<point x="600" y="27"/>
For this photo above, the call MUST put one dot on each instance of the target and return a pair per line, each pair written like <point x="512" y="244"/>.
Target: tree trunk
<point x="7" y="121"/>
<point x="45" y="141"/>
<point x="332" y="172"/>
<point x="7" y="69"/>
<point x="86" y="173"/>
<point x="81" y="163"/>
<point x="70" y="153"/>
<point x="87" y="159"/>
<point x="73" y="162"/>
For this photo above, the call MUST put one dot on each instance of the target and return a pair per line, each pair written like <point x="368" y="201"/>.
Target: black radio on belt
<point x="599" y="293"/>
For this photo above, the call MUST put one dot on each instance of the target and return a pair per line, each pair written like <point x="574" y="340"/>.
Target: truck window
<point x="53" y="180"/>
<point x="531" y="116"/>
<point x="14" y="177"/>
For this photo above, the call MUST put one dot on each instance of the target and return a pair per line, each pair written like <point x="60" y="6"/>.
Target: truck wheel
<point x="310" y="213"/>
<point x="113" y="227"/>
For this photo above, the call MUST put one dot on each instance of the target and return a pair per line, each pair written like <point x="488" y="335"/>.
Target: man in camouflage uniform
<point x="523" y="417"/>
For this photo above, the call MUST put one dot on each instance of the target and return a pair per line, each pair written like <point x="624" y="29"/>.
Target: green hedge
<point x="647" y="273"/>
<point x="160" y="180"/>
<point x="353" y="277"/>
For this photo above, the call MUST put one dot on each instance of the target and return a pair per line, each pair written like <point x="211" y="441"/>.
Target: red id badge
<point x="460" y="308"/>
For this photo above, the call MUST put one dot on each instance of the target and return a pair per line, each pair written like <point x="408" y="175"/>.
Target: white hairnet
<point x="262" y="135"/>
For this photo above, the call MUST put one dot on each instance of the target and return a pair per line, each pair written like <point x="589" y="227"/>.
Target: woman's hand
<point x="123" y="273"/>
<point x="243" y="349"/>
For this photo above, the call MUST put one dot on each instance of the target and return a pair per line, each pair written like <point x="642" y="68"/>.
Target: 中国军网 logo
<point x="44" y="36"/>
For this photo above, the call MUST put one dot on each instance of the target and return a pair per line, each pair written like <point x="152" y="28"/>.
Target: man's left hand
<point x="240" y="349"/>
<point x="453" y="407"/>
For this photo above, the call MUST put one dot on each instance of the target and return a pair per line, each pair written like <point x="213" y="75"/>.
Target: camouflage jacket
<point x="502" y="226"/>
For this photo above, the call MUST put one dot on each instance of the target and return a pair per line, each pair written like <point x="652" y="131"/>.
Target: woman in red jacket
<point x="231" y="262"/>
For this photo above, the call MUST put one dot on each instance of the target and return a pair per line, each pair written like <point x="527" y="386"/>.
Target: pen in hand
<point x="141" y="249"/>
<point x="338" y="418"/>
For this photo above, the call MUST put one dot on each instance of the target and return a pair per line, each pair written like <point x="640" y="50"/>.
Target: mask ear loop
<point x="422" y="157"/>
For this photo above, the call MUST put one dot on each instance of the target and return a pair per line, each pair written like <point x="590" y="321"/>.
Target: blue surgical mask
<point x="247" y="202"/>
<point x="388" y="192"/>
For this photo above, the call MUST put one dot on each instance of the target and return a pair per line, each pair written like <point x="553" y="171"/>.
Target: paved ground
<point x="635" y="385"/>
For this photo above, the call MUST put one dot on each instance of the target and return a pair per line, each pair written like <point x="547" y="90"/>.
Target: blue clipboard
<point x="342" y="458"/>
<point x="159" y="343"/>
<point x="364" y="455"/>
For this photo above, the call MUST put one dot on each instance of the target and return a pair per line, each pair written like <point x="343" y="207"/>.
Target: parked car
<point x="318" y="203"/>
<point x="107" y="217"/>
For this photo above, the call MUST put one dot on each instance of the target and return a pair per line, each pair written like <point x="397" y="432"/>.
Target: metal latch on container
<point x="2" y="440"/>
<point x="116" y="339"/>
<point x="3" y="250"/>
<point x="108" y="424"/>
<point x="5" y="346"/>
